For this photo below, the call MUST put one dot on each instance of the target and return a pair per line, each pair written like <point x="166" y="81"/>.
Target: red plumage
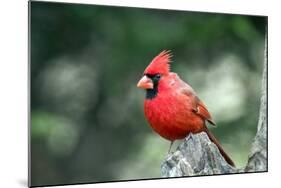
<point x="172" y="107"/>
<point x="160" y="64"/>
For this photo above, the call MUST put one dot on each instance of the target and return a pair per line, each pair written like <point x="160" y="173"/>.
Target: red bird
<point x="171" y="106"/>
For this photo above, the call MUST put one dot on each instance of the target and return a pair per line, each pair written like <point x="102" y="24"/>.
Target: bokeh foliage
<point x="87" y="122"/>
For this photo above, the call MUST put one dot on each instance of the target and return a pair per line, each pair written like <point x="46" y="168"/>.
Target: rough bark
<point x="197" y="155"/>
<point x="258" y="155"/>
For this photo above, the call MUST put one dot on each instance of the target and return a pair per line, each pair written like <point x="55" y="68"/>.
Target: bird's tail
<point x="215" y="141"/>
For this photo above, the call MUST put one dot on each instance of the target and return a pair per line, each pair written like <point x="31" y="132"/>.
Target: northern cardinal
<point x="171" y="106"/>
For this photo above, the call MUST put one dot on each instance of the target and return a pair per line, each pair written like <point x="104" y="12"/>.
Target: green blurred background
<point x="87" y="121"/>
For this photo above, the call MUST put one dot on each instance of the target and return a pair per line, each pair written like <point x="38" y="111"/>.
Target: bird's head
<point x="159" y="67"/>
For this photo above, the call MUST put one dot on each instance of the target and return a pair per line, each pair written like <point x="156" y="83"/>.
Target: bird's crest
<point x="160" y="64"/>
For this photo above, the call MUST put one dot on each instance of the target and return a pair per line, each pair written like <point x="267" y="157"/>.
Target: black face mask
<point x="152" y="93"/>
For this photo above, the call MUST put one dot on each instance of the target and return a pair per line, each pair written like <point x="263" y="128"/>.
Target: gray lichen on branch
<point x="197" y="155"/>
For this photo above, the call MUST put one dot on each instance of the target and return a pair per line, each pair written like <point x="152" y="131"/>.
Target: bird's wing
<point x="198" y="106"/>
<point x="201" y="109"/>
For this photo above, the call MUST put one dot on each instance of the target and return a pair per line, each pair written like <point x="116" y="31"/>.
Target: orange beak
<point x="145" y="83"/>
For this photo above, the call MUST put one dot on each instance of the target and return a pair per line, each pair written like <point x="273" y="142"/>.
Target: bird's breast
<point x="171" y="116"/>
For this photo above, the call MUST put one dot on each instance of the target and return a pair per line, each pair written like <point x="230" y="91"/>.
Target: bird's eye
<point x="158" y="76"/>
